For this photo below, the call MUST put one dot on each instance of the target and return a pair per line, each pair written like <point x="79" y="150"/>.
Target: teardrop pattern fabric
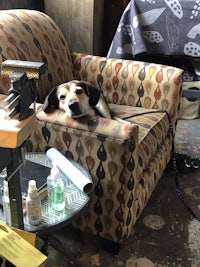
<point x="124" y="160"/>
<point x="153" y="83"/>
<point x="34" y="36"/>
<point x="122" y="186"/>
<point x="124" y="172"/>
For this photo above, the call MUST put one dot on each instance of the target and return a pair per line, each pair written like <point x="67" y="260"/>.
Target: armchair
<point x="125" y="160"/>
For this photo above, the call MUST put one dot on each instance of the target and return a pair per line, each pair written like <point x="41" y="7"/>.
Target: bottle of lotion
<point x="33" y="204"/>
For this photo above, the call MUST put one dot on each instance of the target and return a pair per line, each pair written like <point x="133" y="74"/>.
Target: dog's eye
<point x="79" y="91"/>
<point x="62" y="97"/>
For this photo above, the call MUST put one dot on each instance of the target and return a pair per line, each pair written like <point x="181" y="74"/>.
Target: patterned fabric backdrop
<point x="158" y="27"/>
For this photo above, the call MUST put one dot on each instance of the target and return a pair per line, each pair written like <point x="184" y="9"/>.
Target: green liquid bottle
<point x="55" y="188"/>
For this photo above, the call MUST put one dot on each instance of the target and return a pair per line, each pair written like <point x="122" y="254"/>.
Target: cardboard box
<point x="18" y="247"/>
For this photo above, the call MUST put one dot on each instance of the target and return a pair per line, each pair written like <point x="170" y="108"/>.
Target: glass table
<point x="76" y="201"/>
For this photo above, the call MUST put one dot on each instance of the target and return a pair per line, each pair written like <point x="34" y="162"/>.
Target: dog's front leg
<point x="103" y="109"/>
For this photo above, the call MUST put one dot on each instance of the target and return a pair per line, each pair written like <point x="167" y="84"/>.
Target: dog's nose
<point x="73" y="105"/>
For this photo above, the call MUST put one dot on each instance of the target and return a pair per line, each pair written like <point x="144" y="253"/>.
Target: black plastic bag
<point x="185" y="164"/>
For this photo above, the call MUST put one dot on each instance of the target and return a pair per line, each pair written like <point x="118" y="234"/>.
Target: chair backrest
<point x="33" y="36"/>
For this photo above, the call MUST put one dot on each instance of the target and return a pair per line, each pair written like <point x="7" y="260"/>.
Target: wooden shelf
<point x="14" y="132"/>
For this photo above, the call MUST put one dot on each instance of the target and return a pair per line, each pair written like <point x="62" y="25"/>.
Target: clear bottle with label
<point x="55" y="188"/>
<point x="33" y="204"/>
<point x="6" y="203"/>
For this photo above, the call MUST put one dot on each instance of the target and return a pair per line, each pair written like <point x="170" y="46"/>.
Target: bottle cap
<point x="54" y="170"/>
<point x="5" y="184"/>
<point x="32" y="186"/>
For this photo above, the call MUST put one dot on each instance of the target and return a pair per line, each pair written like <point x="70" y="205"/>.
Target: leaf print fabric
<point x="169" y="27"/>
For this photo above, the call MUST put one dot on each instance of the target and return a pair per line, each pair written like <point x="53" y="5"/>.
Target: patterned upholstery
<point x="132" y="83"/>
<point x="33" y="36"/>
<point x="125" y="160"/>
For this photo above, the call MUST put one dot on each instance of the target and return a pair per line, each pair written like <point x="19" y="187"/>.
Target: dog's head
<point x="76" y="98"/>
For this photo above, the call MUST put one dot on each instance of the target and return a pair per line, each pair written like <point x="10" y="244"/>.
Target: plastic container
<point x="33" y="204"/>
<point x="55" y="189"/>
<point x="6" y="204"/>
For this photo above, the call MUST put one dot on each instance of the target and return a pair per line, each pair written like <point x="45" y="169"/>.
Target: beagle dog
<point x="78" y="99"/>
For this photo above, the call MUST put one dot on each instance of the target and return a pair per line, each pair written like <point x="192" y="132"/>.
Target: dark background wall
<point x="29" y="4"/>
<point x="113" y="10"/>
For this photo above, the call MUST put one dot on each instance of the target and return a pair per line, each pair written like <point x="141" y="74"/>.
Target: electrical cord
<point x="180" y="196"/>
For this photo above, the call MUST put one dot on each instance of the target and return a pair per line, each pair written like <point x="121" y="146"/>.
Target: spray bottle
<point x="33" y="204"/>
<point x="6" y="203"/>
<point x="55" y="189"/>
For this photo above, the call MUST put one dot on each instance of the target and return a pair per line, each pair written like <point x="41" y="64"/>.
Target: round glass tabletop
<point x="75" y="201"/>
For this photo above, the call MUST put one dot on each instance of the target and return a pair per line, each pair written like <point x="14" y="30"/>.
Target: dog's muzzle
<point x="75" y="109"/>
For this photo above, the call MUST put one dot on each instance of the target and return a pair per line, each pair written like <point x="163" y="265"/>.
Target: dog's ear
<point x="92" y="92"/>
<point x="51" y="101"/>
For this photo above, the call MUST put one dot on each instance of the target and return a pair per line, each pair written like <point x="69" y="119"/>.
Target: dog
<point x="78" y="99"/>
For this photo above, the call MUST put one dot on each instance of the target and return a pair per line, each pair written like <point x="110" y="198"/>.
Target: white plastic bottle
<point x="6" y="203"/>
<point x="55" y="188"/>
<point x="33" y="204"/>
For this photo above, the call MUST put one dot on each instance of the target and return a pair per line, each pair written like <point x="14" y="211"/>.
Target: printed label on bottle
<point x="34" y="214"/>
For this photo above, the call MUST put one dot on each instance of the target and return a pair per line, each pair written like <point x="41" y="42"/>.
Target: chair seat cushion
<point x="153" y="129"/>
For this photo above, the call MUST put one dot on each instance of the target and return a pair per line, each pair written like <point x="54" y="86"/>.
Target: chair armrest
<point x="97" y="125"/>
<point x="133" y="83"/>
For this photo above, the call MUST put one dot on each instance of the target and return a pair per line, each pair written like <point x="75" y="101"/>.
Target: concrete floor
<point x="165" y="235"/>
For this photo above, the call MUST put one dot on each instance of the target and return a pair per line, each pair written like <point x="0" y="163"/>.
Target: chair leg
<point x="109" y="245"/>
<point x="57" y="245"/>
